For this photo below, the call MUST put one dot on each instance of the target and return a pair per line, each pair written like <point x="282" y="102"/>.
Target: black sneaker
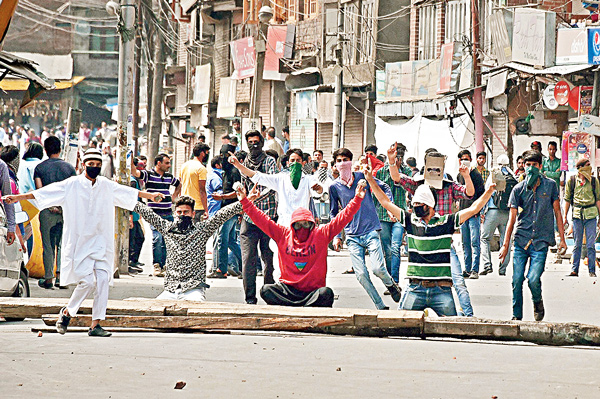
<point x="387" y="292"/>
<point x="217" y="274"/>
<point x="485" y="271"/>
<point x="232" y="272"/>
<point x="136" y="267"/>
<point x="57" y="284"/>
<point x="516" y="318"/>
<point x="98" y="332"/>
<point x="133" y="270"/>
<point x="63" y="321"/>
<point x="466" y="274"/>
<point x="395" y="291"/>
<point x="538" y="311"/>
<point x="46" y="284"/>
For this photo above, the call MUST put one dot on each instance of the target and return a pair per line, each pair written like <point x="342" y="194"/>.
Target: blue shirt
<point x="214" y="184"/>
<point x="365" y="220"/>
<point x="535" y="221"/>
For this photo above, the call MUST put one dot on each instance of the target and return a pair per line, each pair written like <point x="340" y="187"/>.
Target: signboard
<point x="380" y="84"/>
<point x="594" y="46"/>
<point x="399" y="79"/>
<point x="276" y="46"/>
<point x="227" y="94"/>
<point x="548" y="97"/>
<point x="534" y="37"/>
<point x="585" y="100"/>
<point x="243" y="57"/>
<point x="306" y="104"/>
<point x="571" y="46"/>
<point x="496" y="85"/>
<point x="589" y="124"/>
<point x="446" y="68"/>
<point x="575" y="146"/>
<point x="561" y="92"/>
<point x="201" y="84"/>
<point x="502" y="48"/>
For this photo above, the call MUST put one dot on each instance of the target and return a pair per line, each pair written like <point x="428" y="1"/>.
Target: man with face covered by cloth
<point x="227" y="237"/>
<point x="251" y="237"/>
<point x="302" y="252"/>
<point x="292" y="185"/>
<point x="88" y="202"/>
<point x="185" y="277"/>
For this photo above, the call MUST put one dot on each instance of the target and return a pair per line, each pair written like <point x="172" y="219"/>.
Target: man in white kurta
<point x="88" y="202"/>
<point x="289" y="198"/>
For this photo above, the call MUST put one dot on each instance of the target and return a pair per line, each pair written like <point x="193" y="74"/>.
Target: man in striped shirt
<point x="159" y="180"/>
<point x="429" y="244"/>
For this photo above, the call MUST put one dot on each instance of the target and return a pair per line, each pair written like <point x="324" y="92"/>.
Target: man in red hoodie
<point x="302" y="253"/>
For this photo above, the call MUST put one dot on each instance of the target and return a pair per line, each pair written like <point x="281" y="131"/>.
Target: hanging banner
<point x="589" y="124"/>
<point x="277" y="43"/>
<point x="585" y="100"/>
<point x="575" y="146"/>
<point x="227" y="93"/>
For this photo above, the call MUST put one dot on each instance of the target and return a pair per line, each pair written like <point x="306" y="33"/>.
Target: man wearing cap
<point x="450" y="192"/>
<point x="302" y="252"/>
<point x="88" y="203"/>
<point x="429" y="246"/>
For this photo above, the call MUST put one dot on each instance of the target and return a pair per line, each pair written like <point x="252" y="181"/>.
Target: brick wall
<point x="561" y="7"/>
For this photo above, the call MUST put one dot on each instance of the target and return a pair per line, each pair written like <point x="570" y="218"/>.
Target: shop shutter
<point x="500" y="125"/>
<point x="324" y="139"/>
<point x="353" y="132"/>
<point x="265" y="104"/>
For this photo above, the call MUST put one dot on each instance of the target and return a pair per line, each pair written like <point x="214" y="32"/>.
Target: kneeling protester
<point x="302" y="253"/>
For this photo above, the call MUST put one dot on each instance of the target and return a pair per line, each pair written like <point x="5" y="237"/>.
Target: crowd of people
<point x="380" y="205"/>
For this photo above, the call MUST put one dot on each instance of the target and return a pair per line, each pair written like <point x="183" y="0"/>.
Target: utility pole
<point x="477" y="92"/>
<point x="155" y="129"/>
<point x="137" y="69"/>
<point x="338" y="124"/>
<point x="126" y="30"/>
<point x="260" y="45"/>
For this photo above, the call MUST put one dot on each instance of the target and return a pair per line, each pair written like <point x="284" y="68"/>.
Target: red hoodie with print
<point x="303" y="264"/>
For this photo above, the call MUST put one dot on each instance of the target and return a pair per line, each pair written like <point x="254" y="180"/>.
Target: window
<point x="427" y="32"/>
<point x="351" y="29"/>
<point x="367" y="37"/>
<point x="104" y="42"/>
<point x="310" y="8"/>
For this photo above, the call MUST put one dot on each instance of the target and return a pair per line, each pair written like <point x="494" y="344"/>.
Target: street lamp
<point x="265" y="14"/>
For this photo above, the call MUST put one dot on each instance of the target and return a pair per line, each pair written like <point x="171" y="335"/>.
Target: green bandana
<point x="532" y="174"/>
<point x="295" y="174"/>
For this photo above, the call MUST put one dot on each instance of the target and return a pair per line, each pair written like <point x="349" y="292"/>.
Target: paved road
<point x="132" y="365"/>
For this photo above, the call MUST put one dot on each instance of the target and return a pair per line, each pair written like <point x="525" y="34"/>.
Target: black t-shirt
<point x="478" y="184"/>
<point x="53" y="170"/>
<point x="230" y="176"/>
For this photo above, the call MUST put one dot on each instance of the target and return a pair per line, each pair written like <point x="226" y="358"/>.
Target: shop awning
<point x="555" y="70"/>
<point x="22" y="84"/>
<point x="20" y="68"/>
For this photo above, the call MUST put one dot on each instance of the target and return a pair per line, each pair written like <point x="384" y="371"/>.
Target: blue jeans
<point x="417" y="297"/>
<point x="159" y="248"/>
<point x="536" y="268"/>
<point x="228" y="240"/>
<point x="589" y="227"/>
<point x="391" y="233"/>
<point x="464" y="299"/>
<point x="470" y="231"/>
<point x="494" y="219"/>
<point x="357" y="246"/>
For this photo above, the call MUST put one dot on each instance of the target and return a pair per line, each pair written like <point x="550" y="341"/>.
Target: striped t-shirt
<point x="156" y="183"/>
<point x="429" y="245"/>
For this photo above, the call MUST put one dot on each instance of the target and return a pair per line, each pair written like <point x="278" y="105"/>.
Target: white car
<point x="13" y="274"/>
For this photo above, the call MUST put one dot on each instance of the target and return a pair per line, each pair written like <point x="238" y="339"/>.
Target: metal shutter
<point x="265" y="103"/>
<point x="353" y="132"/>
<point x="324" y="139"/>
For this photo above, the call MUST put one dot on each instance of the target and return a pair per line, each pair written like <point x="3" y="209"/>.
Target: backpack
<point x="572" y="187"/>
<point x="501" y="198"/>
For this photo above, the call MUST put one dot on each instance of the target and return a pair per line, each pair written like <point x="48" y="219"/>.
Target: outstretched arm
<point x="381" y="196"/>
<point x="160" y="224"/>
<point x="261" y="220"/>
<point x="474" y="209"/>
<point x="221" y="217"/>
<point x="334" y="227"/>
<point x="243" y="169"/>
